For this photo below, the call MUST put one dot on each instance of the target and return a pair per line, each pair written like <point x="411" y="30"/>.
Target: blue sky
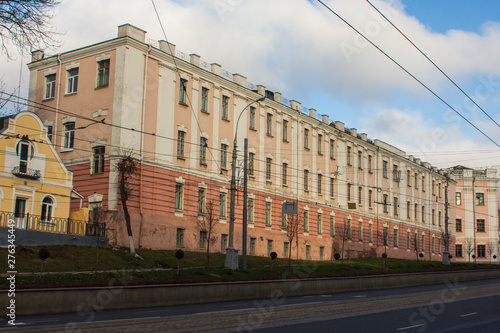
<point x="300" y="49"/>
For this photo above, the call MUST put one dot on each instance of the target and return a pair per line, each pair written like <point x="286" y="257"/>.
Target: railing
<point x="26" y="173"/>
<point x="53" y="225"/>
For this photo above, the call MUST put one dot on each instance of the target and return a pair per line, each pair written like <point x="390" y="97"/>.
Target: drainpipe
<point x="55" y="131"/>
<point x="143" y="114"/>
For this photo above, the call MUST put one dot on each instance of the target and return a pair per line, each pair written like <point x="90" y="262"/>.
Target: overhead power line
<point x="433" y="63"/>
<point x="410" y="74"/>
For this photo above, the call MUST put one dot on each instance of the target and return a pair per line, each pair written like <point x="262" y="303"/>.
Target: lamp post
<point x="231" y="253"/>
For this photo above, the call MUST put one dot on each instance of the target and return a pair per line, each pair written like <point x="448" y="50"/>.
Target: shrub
<point x="336" y="256"/>
<point x="179" y="254"/>
<point x="274" y="255"/>
<point x="384" y="255"/>
<point x="43" y="254"/>
<point x="421" y="255"/>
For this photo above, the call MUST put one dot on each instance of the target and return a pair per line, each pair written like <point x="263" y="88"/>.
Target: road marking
<point x="408" y="327"/>
<point x="326" y="295"/>
<point x="43" y="320"/>
<point x="359" y="296"/>
<point x="152" y="311"/>
<point x="469" y="314"/>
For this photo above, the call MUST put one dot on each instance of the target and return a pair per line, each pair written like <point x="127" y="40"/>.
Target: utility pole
<point x="446" y="254"/>
<point x="245" y="202"/>
<point x="474" y="213"/>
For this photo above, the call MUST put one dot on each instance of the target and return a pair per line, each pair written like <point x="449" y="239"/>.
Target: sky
<point x="301" y="49"/>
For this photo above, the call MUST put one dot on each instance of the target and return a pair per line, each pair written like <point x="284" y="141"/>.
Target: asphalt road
<point x="447" y="307"/>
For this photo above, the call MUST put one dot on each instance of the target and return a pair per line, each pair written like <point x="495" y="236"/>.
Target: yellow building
<point x="35" y="186"/>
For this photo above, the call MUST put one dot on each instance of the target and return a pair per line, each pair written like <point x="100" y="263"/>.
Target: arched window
<point x="47" y="205"/>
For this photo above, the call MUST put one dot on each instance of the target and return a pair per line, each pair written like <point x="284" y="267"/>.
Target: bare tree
<point x="127" y="170"/>
<point x="491" y="246"/>
<point x="25" y="25"/>
<point x="294" y="225"/>
<point x="414" y="245"/>
<point x="469" y="247"/>
<point x="345" y="234"/>
<point x="207" y="224"/>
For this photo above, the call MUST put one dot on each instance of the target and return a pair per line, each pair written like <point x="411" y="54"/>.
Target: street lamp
<point x="231" y="253"/>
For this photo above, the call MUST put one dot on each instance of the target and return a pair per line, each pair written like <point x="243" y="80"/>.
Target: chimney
<point x="325" y="119"/>
<point x="132" y="32"/>
<point x="296" y="105"/>
<point x="215" y="68"/>
<point x="312" y="113"/>
<point x="261" y="90"/>
<point x="277" y="97"/>
<point x="240" y="80"/>
<point x="195" y="59"/>
<point x="167" y="47"/>
<point x="339" y="125"/>
<point x="37" y="55"/>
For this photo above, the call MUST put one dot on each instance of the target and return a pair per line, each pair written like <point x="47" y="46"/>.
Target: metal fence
<point x="53" y="225"/>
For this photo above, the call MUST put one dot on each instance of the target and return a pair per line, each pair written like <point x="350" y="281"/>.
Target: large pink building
<point x="178" y="115"/>
<point x="476" y="214"/>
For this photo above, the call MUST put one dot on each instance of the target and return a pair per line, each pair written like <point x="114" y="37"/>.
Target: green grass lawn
<point x="160" y="266"/>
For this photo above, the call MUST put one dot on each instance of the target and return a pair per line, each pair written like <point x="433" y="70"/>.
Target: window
<point x="479" y="199"/>
<point x="408" y="178"/>
<point x="423" y="213"/>
<point x="370" y="198"/>
<point x="268" y="168"/>
<point x="321" y="252"/>
<point x="320" y="144"/>
<point x="69" y="135"/>
<point x="98" y="159"/>
<point x="268" y="214"/>
<point x="458" y="198"/>
<point x="396" y="206"/>
<point x="408" y="239"/>
<point x="50" y="86"/>
<point x="47" y="205"/>
<point x="25" y="153"/>
<point x="179" y="196"/>
<point x="370" y="163"/>
<point x="360" y="231"/>
<point x="440" y="217"/>
<point x="306" y="138"/>
<point x="370" y="233"/>
<point x="384" y="169"/>
<point x="285" y="249"/>
<point x="252" y="117"/>
<point x="320" y="183"/>
<point x="423" y="183"/>
<point x="349" y="188"/>
<point x="283" y="221"/>
<point x="180" y="237"/>
<point x="251" y="158"/>
<point x="103" y="73"/>
<point x="349" y="149"/>
<point x="223" y="242"/>
<point x="332" y="187"/>
<point x="284" y="173"/>
<point x="408" y="210"/>
<point x="396" y="237"/>
<point x="458" y="251"/>
<point x="269" y="124"/>
<point x="480" y="225"/>
<point x="204" y="99"/>
<point x="481" y="251"/>
<point x="308" y="251"/>
<point x="181" y="137"/>
<point x="433" y="216"/>
<point x="182" y="91"/>
<point x="49" y="132"/>
<point x="203" y="150"/>
<point x="203" y="239"/>
<point x="423" y="242"/>
<point x="332" y="226"/>
<point x="201" y="201"/>
<point x="416" y="180"/>
<point x="285" y="130"/>
<point x="250" y="210"/>
<point x="306" y="221"/>
<point x="222" y="205"/>
<point x="360" y="195"/>
<point x="269" y="247"/>
<point x="386" y="236"/>
<point x="332" y="149"/>
<point x="433" y="187"/>
<point x="320" y="224"/>
<point x="223" y="156"/>
<point x="386" y="204"/>
<point x="72" y="80"/>
<point x="433" y="245"/>
<point x="349" y="229"/>
<point x="306" y="180"/>
<point x="252" y="245"/>
<point x="395" y="173"/>
<point x="360" y="160"/>
<point x="225" y="107"/>
<point x="458" y="225"/>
